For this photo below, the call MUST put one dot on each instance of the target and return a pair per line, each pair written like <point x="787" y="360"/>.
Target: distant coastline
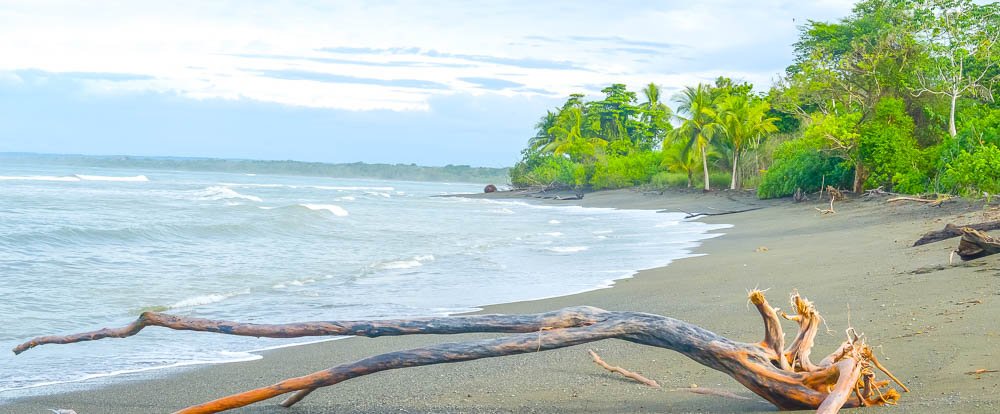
<point x="407" y="172"/>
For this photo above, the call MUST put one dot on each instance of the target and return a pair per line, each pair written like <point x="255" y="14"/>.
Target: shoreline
<point x="834" y="260"/>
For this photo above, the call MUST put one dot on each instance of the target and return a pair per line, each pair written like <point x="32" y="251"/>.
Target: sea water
<point x="83" y="248"/>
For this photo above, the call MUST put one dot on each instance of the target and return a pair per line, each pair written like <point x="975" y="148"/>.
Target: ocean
<point x="84" y="247"/>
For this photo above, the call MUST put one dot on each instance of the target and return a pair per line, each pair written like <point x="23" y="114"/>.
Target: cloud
<point x="334" y="78"/>
<point x="399" y="56"/>
<point x="492" y="83"/>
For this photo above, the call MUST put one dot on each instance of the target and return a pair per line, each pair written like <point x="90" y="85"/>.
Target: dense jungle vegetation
<point x="900" y="95"/>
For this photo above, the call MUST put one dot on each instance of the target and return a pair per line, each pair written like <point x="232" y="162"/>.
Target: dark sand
<point x="934" y="322"/>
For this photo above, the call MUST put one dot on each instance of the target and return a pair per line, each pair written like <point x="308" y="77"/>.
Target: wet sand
<point x="934" y="322"/>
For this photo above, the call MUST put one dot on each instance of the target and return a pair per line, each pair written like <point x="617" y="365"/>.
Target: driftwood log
<point x="951" y="230"/>
<point x="785" y="376"/>
<point x="975" y="244"/>
<point x="720" y="213"/>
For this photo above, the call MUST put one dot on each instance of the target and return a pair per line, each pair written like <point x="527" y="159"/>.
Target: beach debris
<point x="951" y="230"/>
<point x="62" y="411"/>
<point x="828" y="210"/>
<point x="935" y="202"/>
<point x="761" y="249"/>
<point x="490" y="188"/>
<point x="981" y="371"/>
<point x="835" y="194"/>
<point x="975" y="244"/>
<point x="625" y="373"/>
<point x="720" y="213"/>
<point x="799" y="195"/>
<point x="784" y="376"/>
<point x="695" y="389"/>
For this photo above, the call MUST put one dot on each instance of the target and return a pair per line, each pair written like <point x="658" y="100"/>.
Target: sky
<point x="427" y="82"/>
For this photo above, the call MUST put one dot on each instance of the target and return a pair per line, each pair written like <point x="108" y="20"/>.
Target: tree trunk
<point x="784" y="376"/>
<point x="859" y="178"/>
<point x="951" y="116"/>
<point x="690" y="178"/>
<point x="704" y="165"/>
<point x="736" y="157"/>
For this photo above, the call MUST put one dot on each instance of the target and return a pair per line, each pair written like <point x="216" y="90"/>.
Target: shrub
<point x="800" y="164"/>
<point x="666" y="179"/>
<point x="535" y="170"/>
<point x="972" y="173"/>
<point x="625" y="171"/>
<point x="888" y="148"/>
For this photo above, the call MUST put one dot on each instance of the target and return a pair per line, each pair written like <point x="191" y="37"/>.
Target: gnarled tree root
<point x="784" y="376"/>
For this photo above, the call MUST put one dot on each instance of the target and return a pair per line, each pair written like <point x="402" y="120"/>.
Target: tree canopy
<point x="899" y="94"/>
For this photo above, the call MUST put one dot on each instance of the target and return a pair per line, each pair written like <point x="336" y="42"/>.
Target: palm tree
<point x="743" y="119"/>
<point x="567" y="133"/>
<point x="542" y="136"/>
<point x="655" y="115"/>
<point x="698" y="125"/>
<point x="677" y="158"/>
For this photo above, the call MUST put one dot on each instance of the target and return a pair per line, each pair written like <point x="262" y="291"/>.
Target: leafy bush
<point x="800" y="164"/>
<point x="666" y="179"/>
<point x="625" y="171"/>
<point x="975" y="172"/>
<point x="888" y="148"/>
<point x="536" y="170"/>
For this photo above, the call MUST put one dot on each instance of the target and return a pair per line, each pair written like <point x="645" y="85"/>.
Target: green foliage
<point x="543" y="170"/>
<point x="666" y="179"/>
<point x="888" y="149"/>
<point x="625" y="171"/>
<point x="972" y="173"/>
<point x="800" y="164"/>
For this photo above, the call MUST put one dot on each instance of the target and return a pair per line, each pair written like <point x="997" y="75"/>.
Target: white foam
<point x="554" y="222"/>
<point x="380" y="194"/>
<point x="553" y="234"/>
<point x="235" y="357"/>
<point x="567" y="249"/>
<point x="352" y="188"/>
<point x="604" y="232"/>
<point x="666" y="224"/>
<point x="134" y="179"/>
<point x="504" y="210"/>
<point x="333" y="208"/>
<point x="218" y="192"/>
<point x="39" y="178"/>
<point x="415" y="261"/>
<point x="400" y="264"/>
<point x="205" y="299"/>
<point x="347" y="198"/>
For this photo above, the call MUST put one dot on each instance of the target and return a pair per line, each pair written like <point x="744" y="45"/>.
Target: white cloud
<point x="239" y="50"/>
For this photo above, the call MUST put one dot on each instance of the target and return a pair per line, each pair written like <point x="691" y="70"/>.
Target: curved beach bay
<point x="935" y="323"/>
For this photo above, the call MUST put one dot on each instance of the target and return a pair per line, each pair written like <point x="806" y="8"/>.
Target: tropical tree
<point x="698" y="126"/>
<point x="656" y="116"/>
<point x="679" y="159"/>
<point x="962" y="38"/>
<point x="744" y="120"/>
<point x="568" y="137"/>
<point x="543" y="138"/>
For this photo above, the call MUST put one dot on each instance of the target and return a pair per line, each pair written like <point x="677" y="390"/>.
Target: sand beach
<point x="931" y="322"/>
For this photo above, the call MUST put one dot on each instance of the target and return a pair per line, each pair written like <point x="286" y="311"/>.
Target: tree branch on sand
<point x="786" y="377"/>
<point x="951" y="230"/>
<point x="975" y="244"/>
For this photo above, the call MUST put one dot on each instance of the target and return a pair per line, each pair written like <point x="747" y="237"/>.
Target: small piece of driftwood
<point x="951" y="230"/>
<point x="624" y="372"/>
<point x="930" y="202"/>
